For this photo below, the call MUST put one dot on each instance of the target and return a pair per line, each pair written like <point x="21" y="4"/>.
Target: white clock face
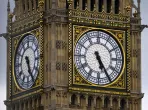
<point x="27" y="62"/>
<point x="98" y="57"/>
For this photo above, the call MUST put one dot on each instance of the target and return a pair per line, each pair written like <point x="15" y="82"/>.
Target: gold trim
<point x="14" y="54"/>
<point x="74" y="42"/>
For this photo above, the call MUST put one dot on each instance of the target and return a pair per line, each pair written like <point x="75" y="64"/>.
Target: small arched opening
<point x="117" y="4"/>
<point x="73" y="99"/>
<point x="100" y="7"/>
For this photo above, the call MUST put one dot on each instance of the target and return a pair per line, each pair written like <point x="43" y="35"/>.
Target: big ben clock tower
<point x="74" y="55"/>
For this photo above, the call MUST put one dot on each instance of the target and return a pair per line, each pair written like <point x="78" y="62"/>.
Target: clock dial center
<point x="102" y="54"/>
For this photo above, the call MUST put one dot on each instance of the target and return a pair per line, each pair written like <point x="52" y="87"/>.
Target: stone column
<point x="80" y="4"/>
<point x="88" y="4"/>
<point x="78" y="99"/>
<point x="97" y="5"/>
<point x="105" y="5"/>
<point x="86" y="101"/>
<point x="69" y="95"/>
<point x="26" y="7"/>
<point x="127" y="105"/>
<point x="94" y="100"/>
<point x="111" y="103"/>
<point x="102" y="102"/>
<point x="113" y="7"/>
<point x="119" y="103"/>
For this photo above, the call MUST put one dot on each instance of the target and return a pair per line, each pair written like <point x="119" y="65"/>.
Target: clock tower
<point x="74" y="55"/>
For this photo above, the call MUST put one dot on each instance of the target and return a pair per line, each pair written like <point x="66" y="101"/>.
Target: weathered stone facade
<point x="51" y="22"/>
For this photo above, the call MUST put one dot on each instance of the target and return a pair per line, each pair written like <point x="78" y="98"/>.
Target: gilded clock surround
<point x="16" y="41"/>
<point x="77" y="79"/>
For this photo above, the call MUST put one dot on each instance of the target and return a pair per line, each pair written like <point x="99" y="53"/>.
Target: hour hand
<point x="99" y="60"/>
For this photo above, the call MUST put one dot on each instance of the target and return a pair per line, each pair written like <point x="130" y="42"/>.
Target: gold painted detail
<point x="75" y="78"/>
<point x="86" y="16"/>
<point x="15" y="42"/>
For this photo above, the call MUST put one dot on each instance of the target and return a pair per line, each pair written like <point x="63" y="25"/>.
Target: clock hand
<point x="101" y="64"/>
<point x="28" y="64"/>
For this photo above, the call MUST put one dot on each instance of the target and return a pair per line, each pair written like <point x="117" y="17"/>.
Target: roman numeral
<point x="23" y="78"/>
<point x="98" y="76"/>
<point x="20" y="73"/>
<point x="37" y="58"/>
<point x="113" y="49"/>
<point x="36" y="69"/>
<point x="89" y="74"/>
<point x="89" y="39"/>
<point x="18" y="65"/>
<point x="36" y="48"/>
<point x="112" y="68"/>
<point x="82" y="45"/>
<point x="19" y="54"/>
<point x="115" y="59"/>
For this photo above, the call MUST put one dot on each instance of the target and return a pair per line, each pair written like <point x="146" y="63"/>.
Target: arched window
<point x="45" y="4"/>
<point x="89" y="101"/>
<point x="84" y="4"/>
<point x="92" y="4"/>
<point x="32" y="4"/>
<point x="100" y="6"/>
<point x="37" y="2"/>
<point x="109" y="6"/>
<point x="117" y="3"/>
<point x="73" y="99"/>
<point x="23" y="3"/>
<point x="28" y="4"/>
<point x="106" y="102"/>
<point x="67" y="6"/>
<point x="76" y="2"/>
<point x="122" y="104"/>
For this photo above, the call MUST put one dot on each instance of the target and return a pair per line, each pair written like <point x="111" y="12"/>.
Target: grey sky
<point x="3" y="21"/>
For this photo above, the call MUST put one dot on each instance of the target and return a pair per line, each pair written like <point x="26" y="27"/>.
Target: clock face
<point x="26" y="65"/>
<point x="98" y="57"/>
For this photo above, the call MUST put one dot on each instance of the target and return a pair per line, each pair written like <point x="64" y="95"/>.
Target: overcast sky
<point x="3" y="21"/>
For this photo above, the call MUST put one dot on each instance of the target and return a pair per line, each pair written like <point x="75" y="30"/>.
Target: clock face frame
<point x="99" y="57"/>
<point x="26" y="62"/>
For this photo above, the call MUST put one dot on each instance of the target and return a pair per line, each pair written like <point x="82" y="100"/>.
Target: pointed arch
<point x="92" y="5"/>
<point x="76" y="2"/>
<point x="37" y="2"/>
<point x="84" y="4"/>
<point x="117" y="4"/>
<point x="123" y="104"/>
<point x="73" y="99"/>
<point x="109" y="4"/>
<point x="100" y="6"/>
<point x="90" y="101"/>
<point x="23" y="5"/>
<point x="32" y="2"/>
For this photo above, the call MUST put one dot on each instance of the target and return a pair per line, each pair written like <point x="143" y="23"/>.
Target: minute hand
<point x="28" y="65"/>
<point x="101" y="65"/>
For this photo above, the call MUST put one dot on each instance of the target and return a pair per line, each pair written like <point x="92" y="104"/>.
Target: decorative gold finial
<point x="41" y="3"/>
<point x="128" y="8"/>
